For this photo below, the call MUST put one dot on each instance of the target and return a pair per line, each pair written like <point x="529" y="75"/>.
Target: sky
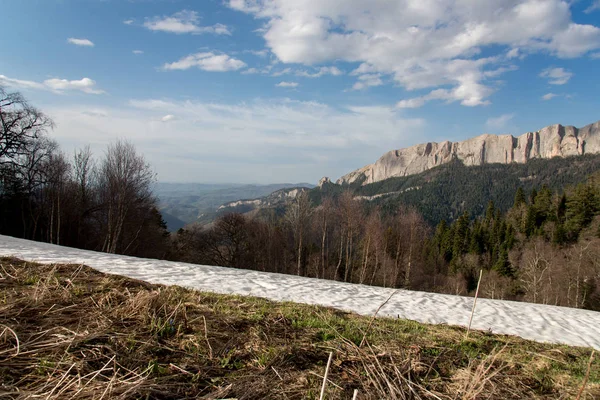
<point x="266" y="91"/>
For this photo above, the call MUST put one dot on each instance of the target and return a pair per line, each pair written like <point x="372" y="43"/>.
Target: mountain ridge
<point x="552" y="141"/>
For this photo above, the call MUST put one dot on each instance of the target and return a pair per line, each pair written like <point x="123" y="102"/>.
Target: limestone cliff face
<point x="552" y="141"/>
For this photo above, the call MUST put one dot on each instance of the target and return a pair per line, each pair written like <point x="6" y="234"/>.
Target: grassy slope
<point x="83" y="334"/>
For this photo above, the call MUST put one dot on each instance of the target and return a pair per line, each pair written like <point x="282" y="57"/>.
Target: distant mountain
<point x="549" y="142"/>
<point x="173" y="223"/>
<point x="273" y="200"/>
<point x="194" y="202"/>
<point x="446" y="191"/>
<point x="442" y="180"/>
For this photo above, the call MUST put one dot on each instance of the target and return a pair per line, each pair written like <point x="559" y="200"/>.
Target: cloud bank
<point x="423" y="45"/>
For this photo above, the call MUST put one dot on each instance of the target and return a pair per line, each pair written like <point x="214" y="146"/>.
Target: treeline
<point x="104" y="205"/>
<point x="336" y="240"/>
<point x="544" y="249"/>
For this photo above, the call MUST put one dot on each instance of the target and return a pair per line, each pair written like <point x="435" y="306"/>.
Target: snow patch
<point x="538" y="322"/>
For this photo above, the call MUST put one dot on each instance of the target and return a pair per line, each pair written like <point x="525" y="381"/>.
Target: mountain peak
<point x="552" y="141"/>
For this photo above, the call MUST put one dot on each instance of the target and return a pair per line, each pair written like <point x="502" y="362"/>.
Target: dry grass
<point x="70" y="332"/>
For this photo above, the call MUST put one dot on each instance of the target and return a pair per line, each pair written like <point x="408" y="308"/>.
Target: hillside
<point x="173" y="223"/>
<point x="190" y="202"/>
<point x="447" y="191"/>
<point x="530" y="321"/>
<point x="70" y="331"/>
<point x="551" y="141"/>
<point x="275" y="201"/>
<point x="441" y="193"/>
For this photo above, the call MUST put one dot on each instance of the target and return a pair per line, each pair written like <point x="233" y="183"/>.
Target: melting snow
<point x="531" y="321"/>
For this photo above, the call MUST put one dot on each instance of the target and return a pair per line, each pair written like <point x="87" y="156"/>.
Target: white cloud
<point x="499" y="123"/>
<point x="96" y="112"/>
<point x="56" y="85"/>
<point x="85" y="85"/>
<point x="513" y="53"/>
<point x="250" y="71"/>
<point x="556" y="76"/>
<point x="367" y="80"/>
<point x="80" y="42"/>
<point x="575" y="41"/>
<point x="468" y="90"/>
<point x="287" y="84"/>
<point x="184" y="21"/>
<point x="282" y="72"/>
<point x="138" y="52"/>
<point x="167" y="118"/>
<point x="334" y="71"/>
<point x="263" y="70"/>
<point x="252" y="141"/>
<point x="259" y="53"/>
<point x="128" y="21"/>
<point x="423" y="44"/>
<point x="549" y="96"/>
<point x="19" y="83"/>
<point x="415" y="102"/>
<point x="595" y="6"/>
<point x="207" y="61"/>
<point x="311" y="73"/>
<point x="595" y="56"/>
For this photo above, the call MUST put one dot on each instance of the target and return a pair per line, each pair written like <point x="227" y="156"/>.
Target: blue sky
<point x="263" y="91"/>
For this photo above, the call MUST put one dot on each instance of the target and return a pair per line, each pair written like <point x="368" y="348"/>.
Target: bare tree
<point x="417" y="230"/>
<point x="351" y="220"/>
<point x="323" y="221"/>
<point x="229" y="241"/>
<point x="83" y="169"/>
<point x="84" y="176"/>
<point x="125" y="181"/>
<point x="370" y="246"/>
<point x="58" y="171"/>
<point x="534" y="269"/>
<point x="297" y="216"/>
<point x="33" y="173"/>
<point x="20" y="124"/>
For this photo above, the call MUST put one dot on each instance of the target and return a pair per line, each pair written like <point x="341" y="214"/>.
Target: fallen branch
<point x="474" y="303"/>
<point x="373" y="318"/>
<point x="587" y="376"/>
<point x="6" y="328"/>
<point x="325" y="376"/>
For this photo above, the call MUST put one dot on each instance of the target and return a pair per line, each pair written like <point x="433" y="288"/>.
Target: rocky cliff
<point x="552" y="141"/>
<point x="275" y="198"/>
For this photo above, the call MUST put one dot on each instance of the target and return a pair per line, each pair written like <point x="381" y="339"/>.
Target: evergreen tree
<point x="561" y="209"/>
<point x="510" y="236"/>
<point x="502" y="265"/>
<point x="582" y="206"/>
<point x="543" y="206"/>
<point x="559" y="236"/>
<point x="461" y="236"/>
<point x="530" y="217"/>
<point x="477" y="243"/>
<point x="519" y="197"/>
<point x="532" y="196"/>
<point x="490" y="211"/>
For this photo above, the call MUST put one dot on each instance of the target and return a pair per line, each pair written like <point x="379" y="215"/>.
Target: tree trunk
<point x="323" y="238"/>
<point x="58" y="221"/>
<point x="339" y="264"/>
<point x="409" y="264"/>
<point x="299" y="252"/>
<point x="363" y="273"/>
